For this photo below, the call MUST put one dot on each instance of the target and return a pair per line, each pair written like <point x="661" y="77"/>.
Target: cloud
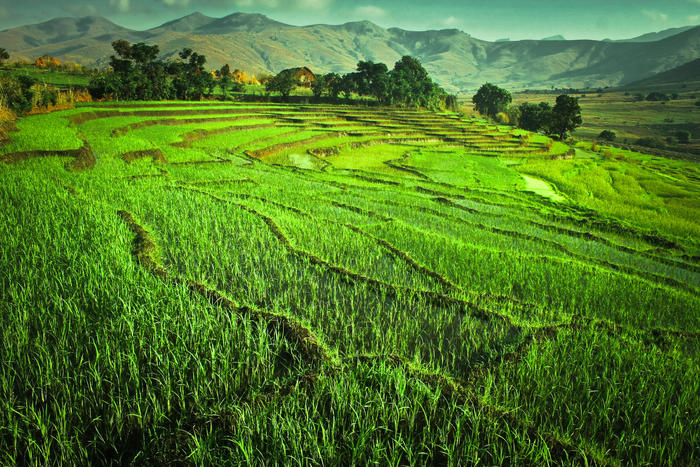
<point x="450" y="21"/>
<point x="122" y="6"/>
<point x="370" y="12"/>
<point x="655" y="15"/>
<point x="281" y="4"/>
<point x="694" y="18"/>
<point x="175" y="2"/>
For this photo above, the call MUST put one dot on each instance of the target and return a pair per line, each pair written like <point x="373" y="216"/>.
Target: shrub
<point x="683" y="136"/>
<point x="502" y="117"/>
<point x="650" y="143"/>
<point x="48" y="97"/>
<point x="607" y="135"/>
<point x="657" y="97"/>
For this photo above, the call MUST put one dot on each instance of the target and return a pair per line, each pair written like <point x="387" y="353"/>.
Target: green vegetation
<point x="215" y="283"/>
<point x="407" y="85"/>
<point x="631" y="119"/>
<point x="559" y="121"/>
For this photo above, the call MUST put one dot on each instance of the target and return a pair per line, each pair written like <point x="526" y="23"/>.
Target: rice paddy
<point x="266" y="284"/>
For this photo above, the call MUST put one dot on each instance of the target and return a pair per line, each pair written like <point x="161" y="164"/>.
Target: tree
<point x="283" y="83"/>
<point x="534" y="117"/>
<point x="373" y="80"/>
<point x="224" y="75"/>
<point x="566" y="116"/>
<point x="3" y="55"/>
<point x="333" y="84"/>
<point x="411" y="86"/>
<point x="138" y="73"/>
<point x="348" y="84"/>
<point x="607" y="135"/>
<point x="490" y="100"/>
<point x="319" y="85"/>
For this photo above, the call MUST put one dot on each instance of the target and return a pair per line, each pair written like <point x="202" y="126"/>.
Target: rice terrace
<point x="278" y="278"/>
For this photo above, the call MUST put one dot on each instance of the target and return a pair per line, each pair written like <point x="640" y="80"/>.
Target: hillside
<point x="456" y="60"/>
<point x="684" y="73"/>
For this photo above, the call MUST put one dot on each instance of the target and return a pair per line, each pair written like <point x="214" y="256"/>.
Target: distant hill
<point x="558" y="37"/>
<point x="459" y="62"/>
<point x="657" y="36"/>
<point x="682" y="74"/>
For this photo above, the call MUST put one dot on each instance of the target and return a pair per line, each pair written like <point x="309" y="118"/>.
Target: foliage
<point x="683" y="136"/>
<point x="490" y="100"/>
<point x="333" y="83"/>
<point x="372" y="79"/>
<point x="657" y="97"/>
<point x="607" y="135"/>
<point x="650" y="143"/>
<point x="411" y="86"/>
<point x="534" y="117"/>
<point x="319" y="86"/>
<point x="17" y="93"/>
<point x="190" y="79"/>
<point x="566" y="116"/>
<point x="4" y="55"/>
<point x="284" y="82"/>
<point x="224" y="75"/>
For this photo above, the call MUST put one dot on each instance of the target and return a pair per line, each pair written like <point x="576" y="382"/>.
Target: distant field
<point x="631" y="120"/>
<point x="214" y="283"/>
<point x="62" y="79"/>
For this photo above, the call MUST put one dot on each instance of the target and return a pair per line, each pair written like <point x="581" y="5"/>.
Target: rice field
<point x="268" y="284"/>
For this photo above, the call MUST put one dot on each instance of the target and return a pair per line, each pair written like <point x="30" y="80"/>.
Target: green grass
<point x="341" y="285"/>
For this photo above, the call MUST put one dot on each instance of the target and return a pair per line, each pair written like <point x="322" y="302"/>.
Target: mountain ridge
<point x="456" y="60"/>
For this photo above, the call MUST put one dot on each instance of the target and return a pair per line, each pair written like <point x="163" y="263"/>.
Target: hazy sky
<point x="484" y="19"/>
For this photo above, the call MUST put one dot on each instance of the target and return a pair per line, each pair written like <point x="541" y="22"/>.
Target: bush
<point x="697" y="103"/>
<point x="683" y="136"/>
<point x="607" y="135"/>
<point x="48" y="97"/>
<point x="651" y="143"/>
<point x="502" y="117"/>
<point x="657" y="97"/>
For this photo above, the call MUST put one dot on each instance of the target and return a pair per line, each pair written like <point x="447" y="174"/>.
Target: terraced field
<point x="207" y="284"/>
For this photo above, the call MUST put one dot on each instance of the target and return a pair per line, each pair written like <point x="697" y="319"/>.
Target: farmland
<point x="217" y="283"/>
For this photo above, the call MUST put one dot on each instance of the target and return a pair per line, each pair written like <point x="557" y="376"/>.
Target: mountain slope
<point x="456" y="60"/>
<point x="682" y="74"/>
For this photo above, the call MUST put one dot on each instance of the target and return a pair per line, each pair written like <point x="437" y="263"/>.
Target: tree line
<point x="559" y="120"/>
<point x="408" y="84"/>
<point x="137" y="74"/>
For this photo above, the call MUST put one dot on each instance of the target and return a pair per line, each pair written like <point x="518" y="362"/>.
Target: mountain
<point x="682" y="74"/>
<point x="558" y="37"/>
<point x="456" y="60"/>
<point x="657" y="36"/>
<point x="189" y="23"/>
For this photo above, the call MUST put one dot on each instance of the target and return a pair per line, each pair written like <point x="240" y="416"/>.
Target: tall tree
<point x="566" y="116"/>
<point x="373" y="80"/>
<point x="411" y="85"/>
<point x="3" y="55"/>
<point x="490" y="100"/>
<point x="224" y="75"/>
<point x="319" y="85"/>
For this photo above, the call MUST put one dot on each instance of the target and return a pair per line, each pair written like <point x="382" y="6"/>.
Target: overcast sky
<point x="484" y="19"/>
